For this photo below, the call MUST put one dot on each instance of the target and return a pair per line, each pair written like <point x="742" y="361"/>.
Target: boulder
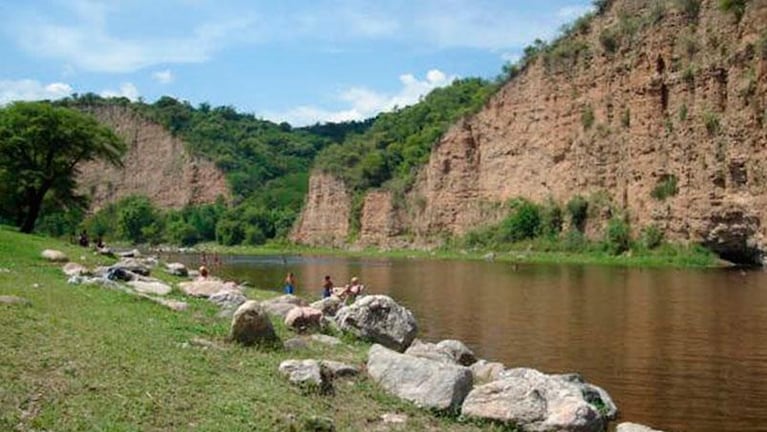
<point x="13" y="300"/>
<point x="280" y="306"/>
<point x="75" y="269"/>
<point x="156" y="288"/>
<point x="228" y="299"/>
<point x="339" y="369"/>
<point x="535" y="402"/>
<point x="307" y="373"/>
<point x="458" y="351"/>
<point x="54" y="255"/>
<point x="251" y="325"/>
<point x="131" y="265"/>
<point x="135" y="253"/>
<point x="206" y="288"/>
<point x="634" y="427"/>
<point x="380" y="319"/>
<point x="429" y="351"/>
<point x="302" y="319"/>
<point x="295" y="344"/>
<point x="427" y="383"/>
<point x="329" y="305"/>
<point x="485" y="371"/>
<point x="177" y="269"/>
<point x="325" y="339"/>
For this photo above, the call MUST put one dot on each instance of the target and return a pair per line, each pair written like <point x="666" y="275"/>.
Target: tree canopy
<point x="40" y="147"/>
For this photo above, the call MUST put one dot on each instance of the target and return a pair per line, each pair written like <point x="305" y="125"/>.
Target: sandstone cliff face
<point x="682" y="102"/>
<point x="156" y="165"/>
<point x="325" y="217"/>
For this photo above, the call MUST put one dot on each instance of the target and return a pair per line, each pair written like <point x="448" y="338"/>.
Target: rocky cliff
<point x="156" y="165"/>
<point x="652" y="110"/>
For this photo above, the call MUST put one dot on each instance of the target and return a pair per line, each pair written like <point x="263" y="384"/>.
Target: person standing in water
<point x="327" y="287"/>
<point x="290" y="283"/>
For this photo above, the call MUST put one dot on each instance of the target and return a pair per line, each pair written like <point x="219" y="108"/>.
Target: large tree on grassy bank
<point x="40" y="147"/>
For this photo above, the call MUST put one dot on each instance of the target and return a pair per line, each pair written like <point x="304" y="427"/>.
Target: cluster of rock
<point x="443" y="376"/>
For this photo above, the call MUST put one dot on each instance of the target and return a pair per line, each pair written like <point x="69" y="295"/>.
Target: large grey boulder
<point x="228" y="299"/>
<point x="251" y="325"/>
<point x="634" y="427"/>
<point x="448" y="351"/>
<point x="329" y="305"/>
<point x="156" y="288"/>
<point x="536" y="402"/>
<point x="206" y="288"/>
<point x="54" y="255"/>
<point x="280" y="306"/>
<point x="380" y="319"/>
<point x="309" y="374"/>
<point x="132" y="265"/>
<point x="427" y="383"/>
<point x="177" y="269"/>
<point x="303" y="319"/>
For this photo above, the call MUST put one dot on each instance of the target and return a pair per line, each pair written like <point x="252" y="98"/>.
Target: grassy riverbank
<point x="522" y="253"/>
<point x="81" y="357"/>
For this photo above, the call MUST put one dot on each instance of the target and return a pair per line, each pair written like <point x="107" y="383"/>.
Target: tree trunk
<point x="35" y="204"/>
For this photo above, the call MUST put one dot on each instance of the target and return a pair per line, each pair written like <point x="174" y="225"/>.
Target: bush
<point x="578" y="208"/>
<point x="254" y="236"/>
<point x="587" y="117"/>
<point x="690" y="9"/>
<point x="523" y="223"/>
<point x="617" y="236"/>
<point x="762" y="46"/>
<point x="652" y="236"/>
<point x="229" y="232"/>
<point x="551" y="219"/>
<point x="712" y="123"/>
<point x="626" y="118"/>
<point x="575" y="241"/>
<point x="736" y="7"/>
<point x="609" y="41"/>
<point x="181" y="233"/>
<point x="134" y="214"/>
<point x="666" y="187"/>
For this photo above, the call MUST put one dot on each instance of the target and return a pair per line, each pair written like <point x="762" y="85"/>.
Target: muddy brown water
<point x="679" y="350"/>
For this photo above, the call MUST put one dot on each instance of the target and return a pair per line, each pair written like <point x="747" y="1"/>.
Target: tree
<point x="40" y="148"/>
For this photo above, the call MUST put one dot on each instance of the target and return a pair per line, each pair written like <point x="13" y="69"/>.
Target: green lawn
<point x="85" y="358"/>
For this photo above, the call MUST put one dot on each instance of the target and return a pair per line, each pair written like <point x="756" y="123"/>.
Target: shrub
<point x="574" y="241"/>
<point x="689" y="75"/>
<point x="523" y="223"/>
<point x="762" y="46"/>
<point x="617" y="236"/>
<point x="736" y="7"/>
<point x="229" y="232"/>
<point x="626" y="118"/>
<point x="601" y="6"/>
<point x="551" y="219"/>
<point x="652" y="236"/>
<point x="683" y="113"/>
<point x="254" y="236"/>
<point x="587" y="117"/>
<point x="712" y="123"/>
<point x="181" y="233"/>
<point x="578" y="208"/>
<point x="690" y="9"/>
<point x="135" y="217"/>
<point x="666" y="187"/>
<point x="609" y="41"/>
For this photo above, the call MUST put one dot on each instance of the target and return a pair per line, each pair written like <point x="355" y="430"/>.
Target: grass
<point x="82" y="358"/>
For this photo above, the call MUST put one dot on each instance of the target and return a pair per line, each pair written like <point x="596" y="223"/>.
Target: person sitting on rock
<point x="352" y="290"/>
<point x="327" y="287"/>
<point x="203" y="273"/>
<point x="290" y="283"/>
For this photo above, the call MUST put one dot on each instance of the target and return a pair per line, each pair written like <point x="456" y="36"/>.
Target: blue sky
<point x="291" y="60"/>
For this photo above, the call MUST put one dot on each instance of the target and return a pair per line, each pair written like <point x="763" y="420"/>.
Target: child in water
<point x="290" y="283"/>
<point x="327" y="287"/>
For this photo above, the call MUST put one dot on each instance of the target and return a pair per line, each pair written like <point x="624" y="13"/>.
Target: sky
<point x="300" y="61"/>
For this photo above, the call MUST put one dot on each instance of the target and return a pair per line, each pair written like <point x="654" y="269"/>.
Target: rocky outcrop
<point x="329" y="305"/>
<point x="325" y="217"/>
<point x="379" y="319"/>
<point x="427" y="383"/>
<point x="536" y="402"/>
<point x="668" y="128"/>
<point x="380" y="221"/>
<point x="156" y="164"/>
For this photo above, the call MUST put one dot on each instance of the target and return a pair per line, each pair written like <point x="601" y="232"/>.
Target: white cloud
<point x="88" y="43"/>
<point x="27" y="89"/>
<point x="364" y="103"/>
<point x="163" y="76"/>
<point x="127" y="90"/>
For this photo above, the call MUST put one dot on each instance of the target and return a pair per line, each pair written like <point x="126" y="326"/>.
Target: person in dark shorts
<point x="290" y="283"/>
<point x="327" y="287"/>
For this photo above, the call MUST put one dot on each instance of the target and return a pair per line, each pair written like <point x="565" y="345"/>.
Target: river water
<point x="679" y="350"/>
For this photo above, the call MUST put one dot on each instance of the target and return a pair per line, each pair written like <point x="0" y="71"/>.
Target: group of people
<point x="349" y="292"/>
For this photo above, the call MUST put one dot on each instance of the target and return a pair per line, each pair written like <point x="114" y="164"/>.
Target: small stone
<point x="295" y="344"/>
<point x="485" y="371"/>
<point x="54" y="255"/>
<point x="13" y="300"/>
<point x="394" y="418"/>
<point x="155" y="288"/>
<point x="177" y="269"/>
<point x="340" y="369"/>
<point x="325" y="339"/>
<point x="634" y="427"/>
<point x="75" y="269"/>
<point x="307" y="373"/>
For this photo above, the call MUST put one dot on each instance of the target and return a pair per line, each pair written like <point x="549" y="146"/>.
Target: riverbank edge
<point x="672" y="256"/>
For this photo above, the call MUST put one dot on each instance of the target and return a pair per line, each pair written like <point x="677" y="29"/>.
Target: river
<point x="679" y="350"/>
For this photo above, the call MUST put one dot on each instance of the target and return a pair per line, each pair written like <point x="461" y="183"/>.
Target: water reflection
<point x="679" y="350"/>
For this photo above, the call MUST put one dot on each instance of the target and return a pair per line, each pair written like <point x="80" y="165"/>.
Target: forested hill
<point x="267" y="164"/>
